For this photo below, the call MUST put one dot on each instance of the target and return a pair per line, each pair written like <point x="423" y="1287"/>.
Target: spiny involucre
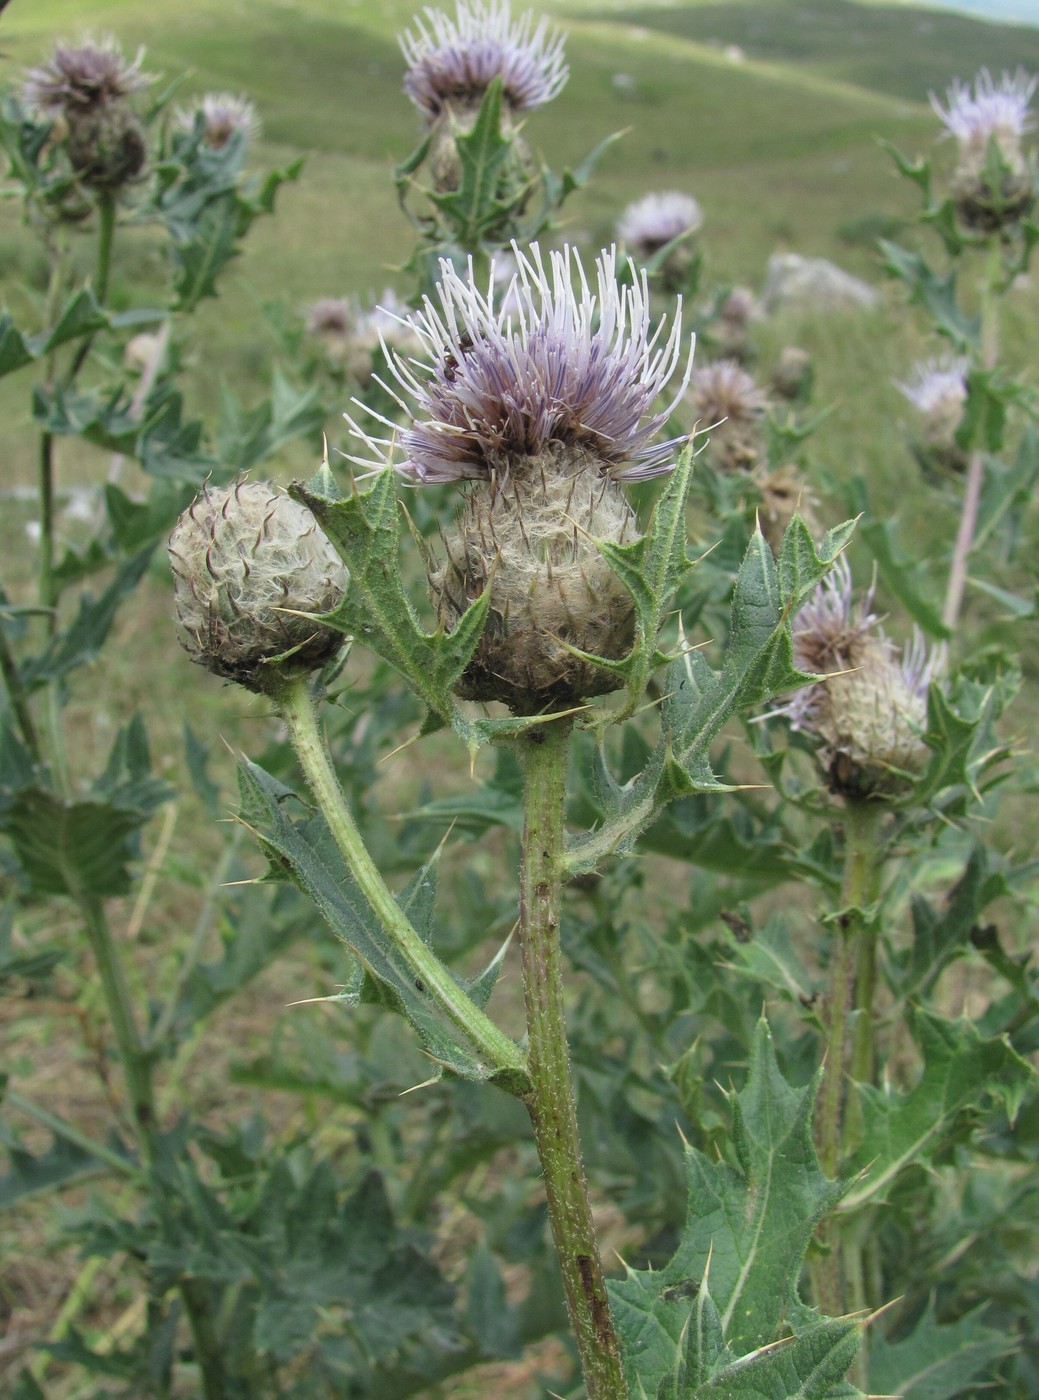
<point x="249" y="564"/>
<point x="543" y="394"/>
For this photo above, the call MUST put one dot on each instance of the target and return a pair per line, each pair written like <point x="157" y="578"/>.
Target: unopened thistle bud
<point x="993" y="184"/>
<point x="724" y="398"/>
<point x="730" y="332"/>
<point x="794" y="374"/>
<point x="869" y="712"/>
<point x="452" y="63"/>
<point x="543" y="399"/>
<point x="649" y="224"/>
<point x="938" y="389"/>
<point x="85" y="91"/>
<point x="249" y="564"/>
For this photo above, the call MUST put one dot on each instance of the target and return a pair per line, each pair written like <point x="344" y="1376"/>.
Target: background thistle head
<point x="452" y="62"/>
<point x="85" y="91"/>
<point x="994" y="183"/>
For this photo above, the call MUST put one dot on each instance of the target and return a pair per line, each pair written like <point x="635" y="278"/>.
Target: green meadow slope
<point x="779" y="147"/>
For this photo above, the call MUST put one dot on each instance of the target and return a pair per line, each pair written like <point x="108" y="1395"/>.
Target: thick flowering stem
<point x="976" y="463"/>
<point x="849" y="1039"/>
<point x="296" y="706"/>
<point x="543" y="754"/>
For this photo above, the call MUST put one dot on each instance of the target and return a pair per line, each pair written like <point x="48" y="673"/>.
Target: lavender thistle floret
<point x="653" y="221"/>
<point x="510" y="371"/>
<point x="541" y="394"/>
<point x="725" y="398"/>
<point x="223" y="115"/>
<point x="938" y="390"/>
<point x="452" y="62"/>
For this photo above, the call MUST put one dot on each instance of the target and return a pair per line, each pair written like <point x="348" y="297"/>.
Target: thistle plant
<point x="698" y="774"/>
<point x="472" y="77"/>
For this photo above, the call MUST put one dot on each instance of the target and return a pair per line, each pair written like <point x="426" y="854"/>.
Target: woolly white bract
<point x="455" y="60"/>
<point x="550" y="358"/>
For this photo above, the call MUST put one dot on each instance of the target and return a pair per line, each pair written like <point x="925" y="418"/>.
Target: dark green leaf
<point x="376" y="610"/>
<point x="962" y="1072"/>
<point x="937" y="294"/>
<point x="748" y="1226"/>
<point x="935" y="1361"/>
<point x="82" y="315"/>
<point x="306" y="853"/>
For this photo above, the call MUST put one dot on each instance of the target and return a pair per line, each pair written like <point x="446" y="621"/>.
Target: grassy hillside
<point x="780" y="149"/>
<point x="900" y="51"/>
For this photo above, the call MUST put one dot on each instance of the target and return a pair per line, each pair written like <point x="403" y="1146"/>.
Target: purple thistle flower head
<point x="649" y="223"/>
<point x="990" y="110"/>
<point x="85" y="91"/>
<point x="539" y="364"/>
<point x="90" y="74"/>
<point x="938" y="389"/>
<point x="454" y="61"/>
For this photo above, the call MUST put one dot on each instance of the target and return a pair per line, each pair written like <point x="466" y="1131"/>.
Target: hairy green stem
<point x="550" y="1102"/>
<point x="972" y="485"/>
<point x="106" y="211"/>
<point x="296" y="706"/>
<point x="852" y="985"/>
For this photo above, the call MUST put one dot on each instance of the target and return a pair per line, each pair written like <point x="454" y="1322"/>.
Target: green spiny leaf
<point x="809" y="1366"/>
<point x="651" y="569"/>
<point x="937" y="294"/>
<point x="749" y="1224"/>
<point x="376" y="610"/>
<point x="962" y="1072"/>
<point x="306" y="853"/>
<point x="935" y="1361"/>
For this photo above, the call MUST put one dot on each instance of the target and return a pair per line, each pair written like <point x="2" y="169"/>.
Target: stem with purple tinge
<point x="976" y="464"/>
